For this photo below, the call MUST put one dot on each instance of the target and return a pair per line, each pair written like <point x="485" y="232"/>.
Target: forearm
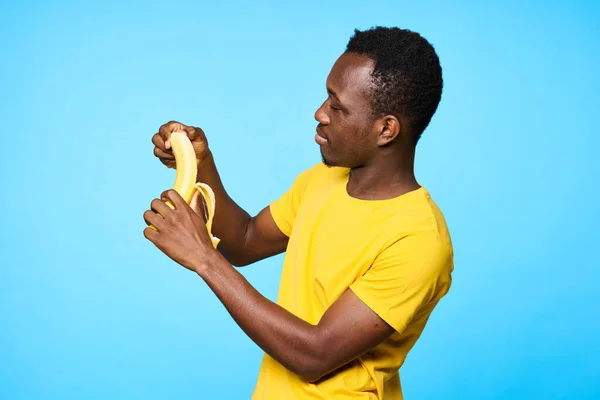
<point x="291" y="341"/>
<point x="230" y="221"/>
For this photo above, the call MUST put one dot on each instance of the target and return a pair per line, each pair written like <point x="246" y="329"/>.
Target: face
<point x="347" y="133"/>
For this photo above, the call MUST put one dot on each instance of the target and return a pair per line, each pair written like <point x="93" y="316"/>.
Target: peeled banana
<point x="185" y="178"/>
<point x="185" y="162"/>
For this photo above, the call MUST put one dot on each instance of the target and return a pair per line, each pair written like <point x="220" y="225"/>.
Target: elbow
<point x="315" y="363"/>
<point x="237" y="260"/>
<point x="236" y="255"/>
<point x="239" y="257"/>
<point x="240" y="263"/>
<point x="313" y="377"/>
<point x="313" y="372"/>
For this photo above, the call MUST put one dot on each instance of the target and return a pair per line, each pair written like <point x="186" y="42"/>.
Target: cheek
<point x="351" y="133"/>
<point x="348" y="131"/>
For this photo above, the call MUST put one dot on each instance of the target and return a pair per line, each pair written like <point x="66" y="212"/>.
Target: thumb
<point x="191" y="132"/>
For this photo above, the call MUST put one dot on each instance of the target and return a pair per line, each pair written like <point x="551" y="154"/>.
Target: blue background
<point x="90" y="309"/>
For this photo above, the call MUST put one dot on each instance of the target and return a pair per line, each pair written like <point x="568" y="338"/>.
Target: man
<point x="368" y="253"/>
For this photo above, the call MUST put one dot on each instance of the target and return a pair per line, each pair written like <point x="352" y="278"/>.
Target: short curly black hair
<point x="407" y="75"/>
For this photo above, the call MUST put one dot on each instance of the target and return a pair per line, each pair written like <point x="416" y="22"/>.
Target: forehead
<point x="350" y="76"/>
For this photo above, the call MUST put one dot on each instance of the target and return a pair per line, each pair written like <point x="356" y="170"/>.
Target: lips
<point x="320" y="138"/>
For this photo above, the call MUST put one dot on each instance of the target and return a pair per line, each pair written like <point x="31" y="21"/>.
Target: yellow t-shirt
<point x="395" y="255"/>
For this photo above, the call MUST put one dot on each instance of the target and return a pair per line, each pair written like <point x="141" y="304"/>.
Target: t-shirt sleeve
<point x="404" y="277"/>
<point x="285" y="208"/>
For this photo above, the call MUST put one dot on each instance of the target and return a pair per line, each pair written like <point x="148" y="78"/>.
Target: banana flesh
<point x="185" y="161"/>
<point x="185" y="179"/>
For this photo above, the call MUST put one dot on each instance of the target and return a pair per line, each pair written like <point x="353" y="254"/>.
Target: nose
<point x="321" y="116"/>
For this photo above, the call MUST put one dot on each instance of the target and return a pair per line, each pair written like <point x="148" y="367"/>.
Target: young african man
<point x="368" y="253"/>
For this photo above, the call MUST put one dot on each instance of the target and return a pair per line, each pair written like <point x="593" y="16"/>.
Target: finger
<point x="154" y="219"/>
<point x="151" y="234"/>
<point x="175" y="198"/>
<point x="158" y="141"/>
<point x="165" y="132"/>
<point x="163" y="154"/>
<point x="168" y="163"/>
<point x="161" y="208"/>
<point x="168" y="128"/>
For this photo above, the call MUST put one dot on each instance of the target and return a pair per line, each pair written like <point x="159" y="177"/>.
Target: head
<point x="382" y="92"/>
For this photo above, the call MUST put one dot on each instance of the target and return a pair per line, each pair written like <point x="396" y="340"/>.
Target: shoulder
<point x="418" y="234"/>
<point x="419" y="217"/>
<point x="439" y="224"/>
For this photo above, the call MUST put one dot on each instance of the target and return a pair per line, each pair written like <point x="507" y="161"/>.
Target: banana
<point x="185" y="162"/>
<point x="185" y="179"/>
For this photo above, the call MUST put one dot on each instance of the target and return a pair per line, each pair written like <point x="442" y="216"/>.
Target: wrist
<point x="205" y="263"/>
<point x="204" y="159"/>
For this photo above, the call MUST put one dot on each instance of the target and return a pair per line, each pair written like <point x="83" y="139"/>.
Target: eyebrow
<point x="332" y="93"/>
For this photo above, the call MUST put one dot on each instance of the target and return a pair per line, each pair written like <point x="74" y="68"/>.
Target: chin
<point x="330" y="160"/>
<point x="327" y="162"/>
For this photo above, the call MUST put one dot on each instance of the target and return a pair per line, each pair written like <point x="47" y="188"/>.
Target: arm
<point x="347" y="330"/>
<point x="244" y="239"/>
<point x="401" y="280"/>
<point x="406" y="276"/>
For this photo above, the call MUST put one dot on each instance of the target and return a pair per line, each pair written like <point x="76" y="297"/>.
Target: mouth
<point x="320" y="138"/>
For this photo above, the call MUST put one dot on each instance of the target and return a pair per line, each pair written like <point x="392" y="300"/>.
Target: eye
<point x="334" y="108"/>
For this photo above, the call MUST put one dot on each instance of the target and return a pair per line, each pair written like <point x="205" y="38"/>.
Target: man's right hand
<point x="162" y="147"/>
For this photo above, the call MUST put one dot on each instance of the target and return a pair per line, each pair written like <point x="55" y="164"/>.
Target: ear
<point x="390" y="128"/>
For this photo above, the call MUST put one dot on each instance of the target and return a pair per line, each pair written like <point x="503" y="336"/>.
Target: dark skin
<point x="378" y="151"/>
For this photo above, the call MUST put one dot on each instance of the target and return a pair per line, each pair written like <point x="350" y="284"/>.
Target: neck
<point x="385" y="177"/>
